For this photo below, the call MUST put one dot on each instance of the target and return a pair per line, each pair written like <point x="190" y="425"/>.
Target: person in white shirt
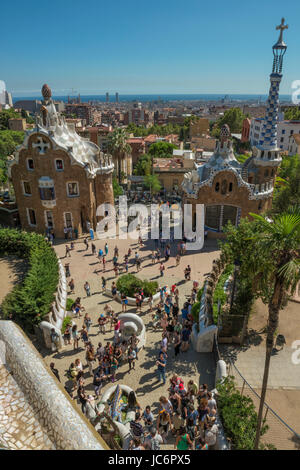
<point x="212" y="404"/>
<point x="211" y="434"/>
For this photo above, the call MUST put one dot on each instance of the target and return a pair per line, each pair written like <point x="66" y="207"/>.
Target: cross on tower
<point x="282" y="27"/>
<point x="41" y="145"/>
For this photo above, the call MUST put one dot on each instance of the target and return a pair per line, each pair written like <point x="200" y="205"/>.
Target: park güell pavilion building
<point x="228" y="189"/>
<point x="59" y="178"/>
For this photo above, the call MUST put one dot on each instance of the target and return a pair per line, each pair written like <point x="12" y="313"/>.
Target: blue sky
<point x="138" y="46"/>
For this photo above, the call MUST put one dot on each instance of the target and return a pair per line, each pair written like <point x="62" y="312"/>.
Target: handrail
<point x="265" y="404"/>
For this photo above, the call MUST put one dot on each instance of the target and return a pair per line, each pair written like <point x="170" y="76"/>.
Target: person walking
<point x="75" y="336"/>
<point x="72" y="286"/>
<point x="68" y="252"/>
<point x="87" y="289"/>
<point x="106" y="249"/>
<point x="161" y="269"/>
<point x="90" y="358"/>
<point x="87" y="321"/>
<point x="131" y="358"/>
<point x="161" y="368"/>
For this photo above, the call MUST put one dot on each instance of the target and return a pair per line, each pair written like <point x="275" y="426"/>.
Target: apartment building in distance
<point x="80" y="111"/>
<point x="138" y="115"/>
<point x="284" y="130"/>
<point x="294" y="144"/>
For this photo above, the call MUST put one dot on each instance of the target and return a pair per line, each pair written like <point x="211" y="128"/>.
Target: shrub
<point x="69" y="304"/>
<point x="195" y="311"/>
<point x="219" y="295"/>
<point x="66" y="322"/>
<point x="30" y="301"/>
<point x="199" y="293"/>
<point x="238" y="415"/>
<point x="150" y="288"/>
<point x="129" y="284"/>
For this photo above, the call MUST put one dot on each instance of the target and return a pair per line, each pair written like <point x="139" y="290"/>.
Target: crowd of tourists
<point x="186" y="413"/>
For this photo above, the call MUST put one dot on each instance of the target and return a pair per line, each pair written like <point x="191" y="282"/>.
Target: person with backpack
<point x="136" y="427"/>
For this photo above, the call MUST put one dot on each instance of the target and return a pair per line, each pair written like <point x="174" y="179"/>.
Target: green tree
<point x="5" y="115"/>
<point x="269" y="252"/>
<point x="117" y="189"/>
<point x="119" y="148"/>
<point x="292" y="113"/>
<point x="9" y="140"/>
<point x="161" y="149"/>
<point x="287" y="187"/>
<point x="152" y="182"/>
<point x="234" y="118"/>
<point x="143" y="165"/>
<point x="238" y="415"/>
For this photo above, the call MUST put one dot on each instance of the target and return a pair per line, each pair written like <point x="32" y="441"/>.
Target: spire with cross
<point x="268" y="139"/>
<point x="281" y="27"/>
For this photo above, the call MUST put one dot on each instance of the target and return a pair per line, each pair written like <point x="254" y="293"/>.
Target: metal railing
<point x="279" y="433"/>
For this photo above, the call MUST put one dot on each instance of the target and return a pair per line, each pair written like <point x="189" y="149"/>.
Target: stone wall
<point x="54" y="409"/>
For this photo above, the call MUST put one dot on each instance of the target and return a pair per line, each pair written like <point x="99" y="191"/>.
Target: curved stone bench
<point x="128" y="318"/>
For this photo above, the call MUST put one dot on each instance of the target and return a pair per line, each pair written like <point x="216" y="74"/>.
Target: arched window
<point x="230" y="187"/>
<point x="262" y="154"/>
<point x="217" y="187"/>
<point x="272" y="172"/>
<point x="266" y="173"/>
<point x="224" y="187"/>
<point x="269" y="155"/>
<point x="260" y="206"/>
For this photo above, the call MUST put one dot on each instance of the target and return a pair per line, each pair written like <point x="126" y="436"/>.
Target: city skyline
<point x="166" y="50"/>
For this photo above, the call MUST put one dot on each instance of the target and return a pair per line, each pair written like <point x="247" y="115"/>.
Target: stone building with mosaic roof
<point x="228" y="189"/>
<point x="59" y="178"/>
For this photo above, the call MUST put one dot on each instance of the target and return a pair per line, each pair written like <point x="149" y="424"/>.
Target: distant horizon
<point x="153" y="96"/>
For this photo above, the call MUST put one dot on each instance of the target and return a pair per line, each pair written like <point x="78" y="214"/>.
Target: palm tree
<point x="278" y="240"/>
<point x="119" y="148"/>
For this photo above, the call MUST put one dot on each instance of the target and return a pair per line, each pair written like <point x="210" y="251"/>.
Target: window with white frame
<point x="31" y="217"/>
<point x="72" y="189"/>
<point x="26" y="188"/>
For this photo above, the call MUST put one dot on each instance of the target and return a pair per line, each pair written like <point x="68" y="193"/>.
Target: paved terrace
<point x="85" y="266"/>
